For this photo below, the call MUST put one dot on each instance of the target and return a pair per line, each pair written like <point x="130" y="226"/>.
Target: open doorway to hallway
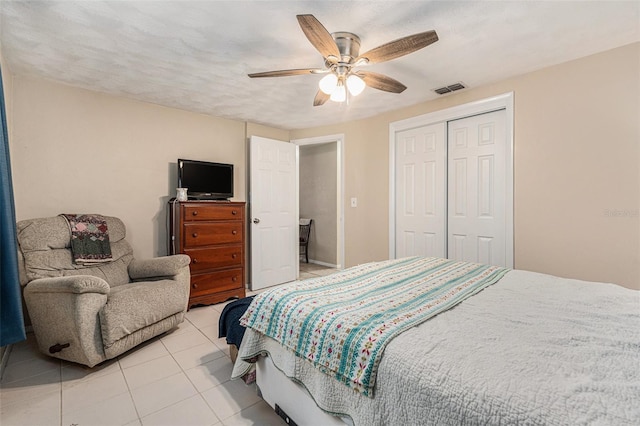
<point x="320" y="199"/>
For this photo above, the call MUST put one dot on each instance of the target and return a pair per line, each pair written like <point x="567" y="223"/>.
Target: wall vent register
<point x="451" y="88"/>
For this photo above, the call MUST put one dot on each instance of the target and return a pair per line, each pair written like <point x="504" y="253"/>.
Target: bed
<point x="520" y="348"/>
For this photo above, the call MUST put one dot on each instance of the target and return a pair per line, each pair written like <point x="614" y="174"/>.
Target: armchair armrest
<point x="158" y="267"/>
<point x="76" y="284"/>
<point x="64" y="313"/>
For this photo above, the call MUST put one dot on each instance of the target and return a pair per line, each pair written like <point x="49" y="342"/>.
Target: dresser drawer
<point x="203" y="284"/>
<point x="198" y="234"/>
<point x="195" y="212"/>
<point x="215" y="257"/>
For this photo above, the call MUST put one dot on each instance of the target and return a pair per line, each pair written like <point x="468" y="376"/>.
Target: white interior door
<point x="273" y="180"/>
<point x="477" y="189"/>
<point x="421" y="213"/>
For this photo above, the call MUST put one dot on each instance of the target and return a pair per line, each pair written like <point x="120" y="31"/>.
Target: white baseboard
<point x="328" y="265"/>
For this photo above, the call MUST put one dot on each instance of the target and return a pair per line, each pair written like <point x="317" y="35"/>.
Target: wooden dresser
<point x="212" y="233"/>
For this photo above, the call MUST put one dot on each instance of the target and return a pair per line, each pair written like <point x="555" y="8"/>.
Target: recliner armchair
<point x="88" y="314"/>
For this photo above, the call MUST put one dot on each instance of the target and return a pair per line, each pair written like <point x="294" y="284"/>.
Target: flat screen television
<point x="206" y="180"/>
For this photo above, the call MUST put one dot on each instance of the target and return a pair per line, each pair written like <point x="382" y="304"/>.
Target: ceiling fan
<point x="341" y="53"/>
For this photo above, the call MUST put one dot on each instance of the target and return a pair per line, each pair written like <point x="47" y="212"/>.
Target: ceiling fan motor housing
<point x="348" y="44"/>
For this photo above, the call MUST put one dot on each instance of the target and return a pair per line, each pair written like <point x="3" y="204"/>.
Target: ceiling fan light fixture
<point x="328" y="83"/>
<point x="341" y="54"/>
<point x="355" y="84"/>
<point x="339" y="93"/>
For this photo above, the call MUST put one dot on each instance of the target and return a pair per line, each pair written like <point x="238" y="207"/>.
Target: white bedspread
<point x="531" y="349"/>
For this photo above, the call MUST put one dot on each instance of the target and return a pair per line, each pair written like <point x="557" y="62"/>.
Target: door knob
<point x="256" y="220"/>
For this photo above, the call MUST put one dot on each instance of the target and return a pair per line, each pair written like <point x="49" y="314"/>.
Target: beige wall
<point x="254" y="129"/>
<point x="577" y="178"/>
<point x="318" y="199"/>
<point x="77" y="151"/>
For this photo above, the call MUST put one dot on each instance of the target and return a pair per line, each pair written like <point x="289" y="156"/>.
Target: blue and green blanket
<point x="342" y="322"/>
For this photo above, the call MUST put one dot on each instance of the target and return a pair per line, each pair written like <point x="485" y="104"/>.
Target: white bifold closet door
<point x="451" y="190"/>
<point x="421" y="183"/>
<point x="476" y="182"/>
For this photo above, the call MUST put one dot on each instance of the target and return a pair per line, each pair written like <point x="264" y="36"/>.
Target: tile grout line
<point x="220" y="420"/>
<point x="124" y="376"/>
<point x="183" y="372"/>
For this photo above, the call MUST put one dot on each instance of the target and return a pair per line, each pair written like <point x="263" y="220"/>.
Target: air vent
<point x="451" y="88"/>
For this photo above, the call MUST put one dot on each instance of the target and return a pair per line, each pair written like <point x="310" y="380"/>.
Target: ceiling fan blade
<point x="381" y="82"/>
<point x="400" y="47"/>
<point x="320" y="98"/>
<point x="285" y="73"/>
<point x="319" y="37"/>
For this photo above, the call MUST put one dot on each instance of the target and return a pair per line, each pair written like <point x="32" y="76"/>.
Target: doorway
<point x="321" y="184"/>
<point x="451" y="183"/>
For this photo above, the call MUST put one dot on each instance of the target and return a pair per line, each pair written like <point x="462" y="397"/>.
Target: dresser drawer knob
<point x="234" y="255"/>
<point x="195" y="235"/>
<point x="195" y="213"/>
<point x="194" y="285"/>
<point x="234" y="232"/>
<point x="234" y="279"/>
<point x="234" y="212"/>
<point x="194" y="260"/>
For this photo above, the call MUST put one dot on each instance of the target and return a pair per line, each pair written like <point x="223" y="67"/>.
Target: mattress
<point x="530" y="349"/>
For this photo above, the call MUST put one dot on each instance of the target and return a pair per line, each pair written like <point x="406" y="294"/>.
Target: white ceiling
<point x="195" y="55"/>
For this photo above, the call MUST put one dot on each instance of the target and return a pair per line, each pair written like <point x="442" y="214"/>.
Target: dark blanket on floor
<point x="229" y="323"/>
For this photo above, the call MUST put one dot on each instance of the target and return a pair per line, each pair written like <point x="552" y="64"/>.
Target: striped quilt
<point x="342" y="323"/>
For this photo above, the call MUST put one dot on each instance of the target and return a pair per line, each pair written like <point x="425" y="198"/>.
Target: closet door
<point x="420" y="192"/>
<point x="477" y="189"/>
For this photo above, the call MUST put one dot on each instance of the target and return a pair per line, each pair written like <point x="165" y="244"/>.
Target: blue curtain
<point x="11" y="320"/>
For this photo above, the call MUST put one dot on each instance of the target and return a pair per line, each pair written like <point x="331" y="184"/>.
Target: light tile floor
<point x="311" y="270"/>
<point x="179" y="378"/>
